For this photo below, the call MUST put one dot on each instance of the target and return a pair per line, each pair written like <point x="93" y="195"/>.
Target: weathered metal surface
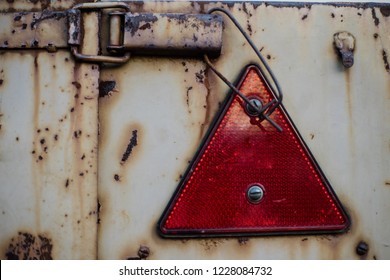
<point x="33" y="30"/>
<point x="154" y="112"/>
<point x="38" y="5"/>
<point x="48" y="154"/>
<point x="173" y="34"/>
<point x="345" y="45"/>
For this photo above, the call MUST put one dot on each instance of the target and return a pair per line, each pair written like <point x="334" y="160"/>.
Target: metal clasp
<point x="75" y="30"/>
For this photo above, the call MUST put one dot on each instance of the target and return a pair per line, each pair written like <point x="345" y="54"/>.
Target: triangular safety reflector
<point x="250" y="179"/>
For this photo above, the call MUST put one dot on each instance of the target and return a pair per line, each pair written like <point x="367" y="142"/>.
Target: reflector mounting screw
<point x="250" y="110"/>
<point x="255" y="193"/>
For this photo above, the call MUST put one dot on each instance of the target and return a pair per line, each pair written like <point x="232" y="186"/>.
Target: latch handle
<point x="75" y="32"/>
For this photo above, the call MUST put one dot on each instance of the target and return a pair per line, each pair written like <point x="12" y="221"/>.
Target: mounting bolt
<point x="255" y="194"/>
<point x="143" y="252"/>
<point x="362" y="248"/>
<point x="250" y="111"/>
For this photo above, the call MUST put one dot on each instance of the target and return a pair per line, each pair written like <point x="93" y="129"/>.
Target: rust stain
<point x="188" y="98"/>
<point x="211" y="244"/>
<point x="132" y="143"/>
<point x="376" y="19"/>
<point x="349" y="94"/>
<point x="207" y="106"/>
<point x="199" y="76"/>
<point x="37" y="154"/>
<point x="26" y="246"/>
<point x="385" y="61"/>
<point x="387" y="183"/>
<point x="106" y="88"/>
<point x="243" y="241"/>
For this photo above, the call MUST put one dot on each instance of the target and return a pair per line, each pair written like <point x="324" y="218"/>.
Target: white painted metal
<point x="48" y="154"/>
<point x="342" y="115"/>
<point x="157" y="114"/>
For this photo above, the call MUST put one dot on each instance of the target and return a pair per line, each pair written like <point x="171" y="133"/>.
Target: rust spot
<point x="304" y="17"/>
<point x="26" y="246"/>
<point x="199" y="76"/>
<point x="243" y="240"/>
<point x="387" y="183"/>
<point x="132" y="143"/>
<point x="106" y="87"/>
<point x="77" y="134"/>
<point x="117" y="178"/>
<point x="133" y="24"/>
<point x="376" y="36"/>
<point x="268" y="56"/>
<point x="249" y="27"/>
<point x="1" y="81"/>
<point x="312" y="136"/>
<point x="304" y="239"/>
<point x="55" y="137"/>
<point x="385" y="11"/>
<point x="386" y="61"/>
<point x="376" y="19"/>
<point x="209" y="244"/>
<point x="76" y="84"/>
<point x="145" y="26"/>
<point x="67" y="183"/>
<point x="188" y="96"/>
<point x="332" y="15"/>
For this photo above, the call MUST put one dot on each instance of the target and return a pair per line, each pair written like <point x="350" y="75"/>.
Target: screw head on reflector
<point x="255" y="194"/>
<point x="250" y="110"/>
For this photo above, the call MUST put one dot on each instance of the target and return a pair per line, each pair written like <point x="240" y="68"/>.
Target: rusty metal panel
<point x="155" y="111"/>
<point x="38" y="5"/>
<point x="48" y="154"/>
<point x="173" y="34"/>
<point x="33" y="30"/>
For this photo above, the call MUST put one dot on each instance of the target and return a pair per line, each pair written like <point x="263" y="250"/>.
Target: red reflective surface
<point x="242" y="151"/>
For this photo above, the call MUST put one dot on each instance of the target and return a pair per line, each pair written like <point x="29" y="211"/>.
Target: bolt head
<point x="255" y="193"/>
<point x="362" y="248"/>
<point x="250" y="111"/>
<point x="143" y="252"/>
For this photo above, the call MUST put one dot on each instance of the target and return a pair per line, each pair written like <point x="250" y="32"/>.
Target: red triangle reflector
<point x="290" y="194"/>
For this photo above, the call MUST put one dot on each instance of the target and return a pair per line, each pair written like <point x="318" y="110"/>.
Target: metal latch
<point x="75" y="30"/>
<point x="147" y="33"/>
